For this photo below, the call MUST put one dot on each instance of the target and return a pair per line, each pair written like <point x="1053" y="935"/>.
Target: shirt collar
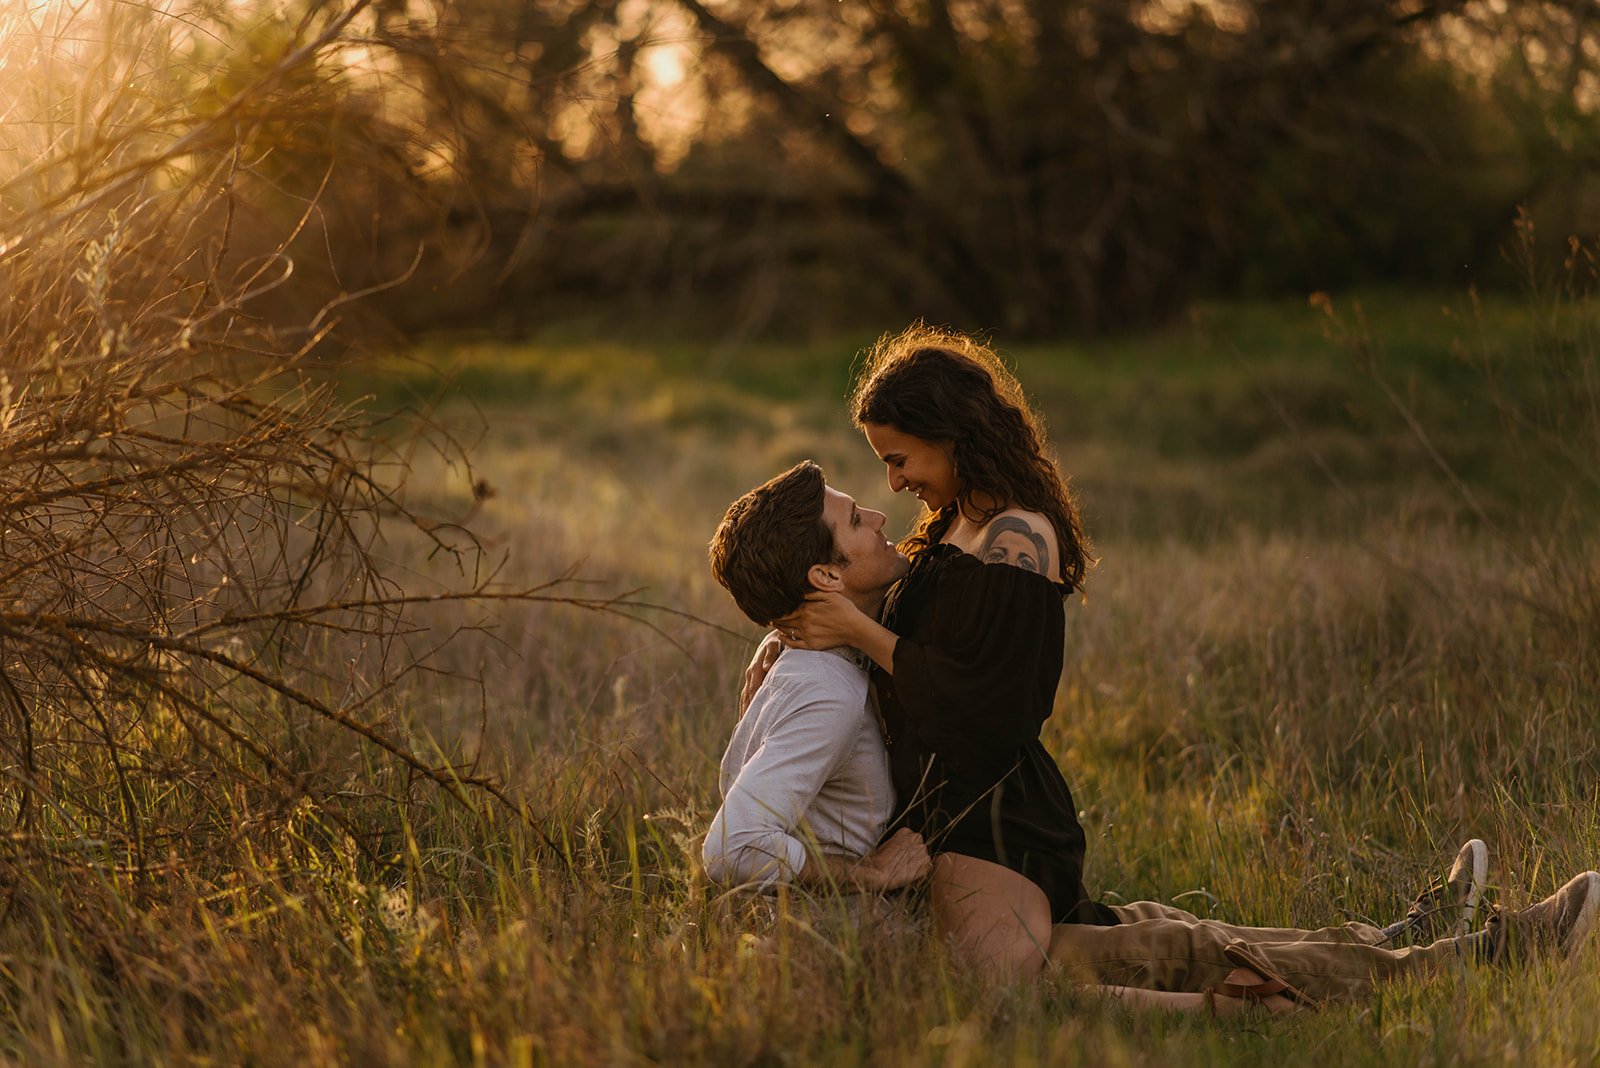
<point x="852" y="654"/>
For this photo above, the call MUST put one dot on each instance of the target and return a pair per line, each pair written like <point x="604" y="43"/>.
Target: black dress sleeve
<point x="978" y="677"/>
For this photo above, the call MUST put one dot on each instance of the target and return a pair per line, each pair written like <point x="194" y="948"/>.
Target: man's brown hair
<point x="768" y="540"/>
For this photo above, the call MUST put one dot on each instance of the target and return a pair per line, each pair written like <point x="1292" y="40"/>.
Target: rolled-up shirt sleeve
<point x="758" y="835"/>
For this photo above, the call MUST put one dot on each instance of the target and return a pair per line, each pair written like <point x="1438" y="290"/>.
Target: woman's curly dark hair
<point x="943" y="386"/>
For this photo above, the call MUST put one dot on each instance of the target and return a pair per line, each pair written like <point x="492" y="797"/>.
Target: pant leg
<point x="1327" y="971"/>
<point x="1359" y="933"/>
<point x="1156" y="954"/>
<point x="1167" y="953"/>
<point x="1134" y="911"/>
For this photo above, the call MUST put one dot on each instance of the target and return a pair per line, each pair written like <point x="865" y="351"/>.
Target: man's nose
<point x="877" y="519"/>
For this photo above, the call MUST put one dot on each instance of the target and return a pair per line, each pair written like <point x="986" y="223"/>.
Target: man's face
<point x="874" y="562"/>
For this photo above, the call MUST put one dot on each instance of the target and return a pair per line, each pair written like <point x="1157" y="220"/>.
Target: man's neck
<point x="871" y="604"/>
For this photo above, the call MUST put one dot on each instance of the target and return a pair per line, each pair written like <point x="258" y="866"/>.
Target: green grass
<point x="1284" y="702"/>
<point x="1271" y="416"/>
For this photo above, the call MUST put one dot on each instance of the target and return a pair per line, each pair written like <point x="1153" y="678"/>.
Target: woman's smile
<point x="925" y="468"/>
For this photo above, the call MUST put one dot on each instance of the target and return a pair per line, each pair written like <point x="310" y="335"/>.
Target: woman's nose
<point x="897" y="482"/>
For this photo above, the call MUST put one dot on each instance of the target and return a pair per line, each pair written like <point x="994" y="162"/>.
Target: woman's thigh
<point x="995" y="917"/>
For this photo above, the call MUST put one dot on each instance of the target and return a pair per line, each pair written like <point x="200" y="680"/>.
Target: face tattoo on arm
<point x="1012" y="541"/>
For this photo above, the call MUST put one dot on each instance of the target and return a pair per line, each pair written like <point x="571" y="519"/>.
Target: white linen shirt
<point x="806" y="767"/>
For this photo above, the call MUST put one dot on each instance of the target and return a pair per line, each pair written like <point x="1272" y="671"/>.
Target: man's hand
<point x="756" y="673"/>
<point x="900" y="861"/>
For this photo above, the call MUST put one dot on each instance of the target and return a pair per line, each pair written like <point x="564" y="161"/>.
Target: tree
<point x="1039" y="165"/>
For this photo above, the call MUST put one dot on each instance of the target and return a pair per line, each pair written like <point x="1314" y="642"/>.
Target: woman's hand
<point x="829" y="620"/>
<point x="756" y="672"/>
<point x="823" y="621"/>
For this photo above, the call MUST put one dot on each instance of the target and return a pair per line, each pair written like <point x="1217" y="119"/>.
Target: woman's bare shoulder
<point x="1022" y="539"/>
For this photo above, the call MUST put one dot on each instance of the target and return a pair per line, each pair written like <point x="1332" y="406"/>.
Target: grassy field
<point x="1344" y="617"/>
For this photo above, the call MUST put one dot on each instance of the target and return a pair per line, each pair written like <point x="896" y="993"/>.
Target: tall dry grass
<point x="245" y="776"/>
<point x="209" y="565"/>
<point x="1283" y="725"/>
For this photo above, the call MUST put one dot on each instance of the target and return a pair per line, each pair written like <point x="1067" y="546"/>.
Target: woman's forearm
<point x="877" y="641"/>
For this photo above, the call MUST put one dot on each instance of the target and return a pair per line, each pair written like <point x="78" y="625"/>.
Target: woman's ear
<point x="826" y="577"/>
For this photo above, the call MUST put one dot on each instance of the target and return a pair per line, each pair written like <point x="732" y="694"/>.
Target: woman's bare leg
<point x="994" y="917"/>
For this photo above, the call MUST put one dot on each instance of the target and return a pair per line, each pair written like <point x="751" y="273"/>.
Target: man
<point x="805" y="779"/>
<point x="806" y="794"/>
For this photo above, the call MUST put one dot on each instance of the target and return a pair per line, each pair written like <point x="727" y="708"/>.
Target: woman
<point x="970" y="648"/>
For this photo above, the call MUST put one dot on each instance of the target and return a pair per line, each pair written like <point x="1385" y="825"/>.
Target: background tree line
<point x="1032" y="166"/>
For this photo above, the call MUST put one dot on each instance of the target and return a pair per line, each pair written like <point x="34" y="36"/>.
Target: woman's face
<point x="926" y="468"/>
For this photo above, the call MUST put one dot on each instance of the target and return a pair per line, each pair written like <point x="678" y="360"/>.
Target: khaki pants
<point x="1158" y="947"/>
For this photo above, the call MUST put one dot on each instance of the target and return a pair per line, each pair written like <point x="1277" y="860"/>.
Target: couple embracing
<point x="892" y="730"/>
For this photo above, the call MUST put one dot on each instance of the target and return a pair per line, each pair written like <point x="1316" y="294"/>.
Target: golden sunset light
<point x="789" y="532"/>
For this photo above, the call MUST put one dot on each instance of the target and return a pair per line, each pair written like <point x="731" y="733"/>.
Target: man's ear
<point x="826" y="577"/>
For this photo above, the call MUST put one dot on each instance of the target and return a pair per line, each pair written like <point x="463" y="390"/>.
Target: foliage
<point x="1031" y="167"/>
<point x="738" y="170"/>
<point x="202" y="628"/>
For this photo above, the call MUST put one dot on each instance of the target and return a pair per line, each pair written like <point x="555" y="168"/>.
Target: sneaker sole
<point x="1584" y="925"/>
<point x="1480" y="876"/>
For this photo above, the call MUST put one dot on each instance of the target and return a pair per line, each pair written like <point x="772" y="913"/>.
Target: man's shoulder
<point x="807" y="676"/>
<point x="819" y="663"/>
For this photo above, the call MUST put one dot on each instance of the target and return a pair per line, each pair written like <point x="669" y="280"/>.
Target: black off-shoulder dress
<point x="975" y="675"/>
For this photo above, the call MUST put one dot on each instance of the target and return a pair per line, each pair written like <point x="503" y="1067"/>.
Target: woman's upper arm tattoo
<point x="1011" y="540"/>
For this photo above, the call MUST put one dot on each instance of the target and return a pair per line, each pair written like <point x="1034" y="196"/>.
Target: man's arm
<point x="755" y="834"/>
